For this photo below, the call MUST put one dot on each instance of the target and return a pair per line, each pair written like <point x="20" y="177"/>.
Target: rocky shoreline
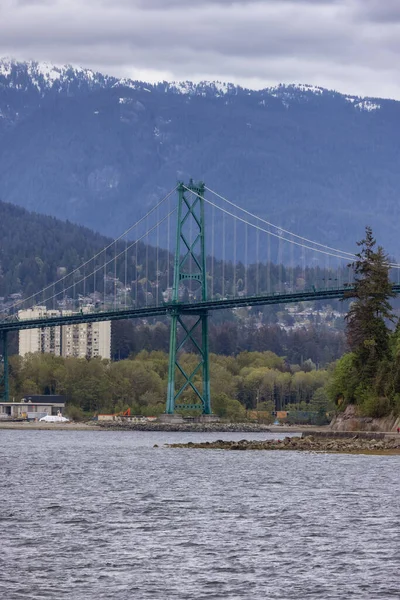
<point x="353" y="445"/>
<point x="185" y="427"/>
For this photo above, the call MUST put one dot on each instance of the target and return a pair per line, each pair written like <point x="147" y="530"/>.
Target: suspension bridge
<point x="160" y="267"/>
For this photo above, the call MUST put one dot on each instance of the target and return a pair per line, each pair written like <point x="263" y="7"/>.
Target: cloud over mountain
<point x="349" y="45"/>
<point x="97" y="150"/>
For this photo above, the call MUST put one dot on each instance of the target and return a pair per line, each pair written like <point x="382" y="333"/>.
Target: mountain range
<point x="99" y="150"/>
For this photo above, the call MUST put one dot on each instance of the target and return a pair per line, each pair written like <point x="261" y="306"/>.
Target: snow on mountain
<point x="5" y="67"/>
<point x="363" y="104"/>
<point x="75" y="144"/>
<point x="203" y="88"/>
<point x="287" y="91"/>
<point x="44" y="77"/>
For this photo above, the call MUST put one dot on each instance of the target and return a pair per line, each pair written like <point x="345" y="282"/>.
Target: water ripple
<point x="105" y="516"/>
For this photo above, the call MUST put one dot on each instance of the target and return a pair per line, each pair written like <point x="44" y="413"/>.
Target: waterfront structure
<point x="32" y="407"/>
<point x="83" y="340"/>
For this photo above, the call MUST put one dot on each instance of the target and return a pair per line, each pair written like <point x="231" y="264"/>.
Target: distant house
<point x="32" y="407"/>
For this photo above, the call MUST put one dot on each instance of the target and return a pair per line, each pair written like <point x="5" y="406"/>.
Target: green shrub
<point x="74" y="413"/>
<point x="372" y="405"/>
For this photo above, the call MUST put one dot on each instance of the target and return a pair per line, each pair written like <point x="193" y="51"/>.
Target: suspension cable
<point x="276" y="235"/>
<point x="16" y="304"/>
<point x="117" y="256"/>
<point x="349" y="255"/>
<point x="277" y="226"/>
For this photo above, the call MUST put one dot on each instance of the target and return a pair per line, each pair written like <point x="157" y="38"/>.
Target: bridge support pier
<point x="189" y="390"/>
<point x="4" y="378"/>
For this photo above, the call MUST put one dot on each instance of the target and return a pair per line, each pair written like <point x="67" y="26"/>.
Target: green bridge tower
<point x="190" y="264"/>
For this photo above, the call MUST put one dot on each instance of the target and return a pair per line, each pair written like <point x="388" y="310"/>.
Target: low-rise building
<point x="32" y="407"/>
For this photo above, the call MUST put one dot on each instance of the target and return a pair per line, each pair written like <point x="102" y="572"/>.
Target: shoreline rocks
<point x="186" y="427"/>
<point x="354" y="445"/>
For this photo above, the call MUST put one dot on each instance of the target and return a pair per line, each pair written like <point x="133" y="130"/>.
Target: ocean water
<point x="105" y="515"/>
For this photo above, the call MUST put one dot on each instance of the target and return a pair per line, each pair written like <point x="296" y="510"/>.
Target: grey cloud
<point x="234" y="33"/>
<point x="379" y="11"/>
<point x="35" y="2"/>
<point x="149" y="4"/>
<point x="330" y="43"/>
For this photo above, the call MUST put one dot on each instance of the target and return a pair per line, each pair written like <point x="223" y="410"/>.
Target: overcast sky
<point x="352" y="46"/>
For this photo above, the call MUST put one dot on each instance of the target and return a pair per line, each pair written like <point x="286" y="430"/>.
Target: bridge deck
<point x="168" y="308"/>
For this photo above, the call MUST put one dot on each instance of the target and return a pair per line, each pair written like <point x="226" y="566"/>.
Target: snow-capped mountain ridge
<point x="45" y="77"/>
<point x="77" y="144"/>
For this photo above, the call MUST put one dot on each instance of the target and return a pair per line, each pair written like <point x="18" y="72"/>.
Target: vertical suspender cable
<point x="74" y="303"/>
<point x="115" y="275"/>
<point x="291" y="269"/>
<point x="223" y="255"/>
<point x="137" y="274"/>
<point x="105" y="278"/>
<point x="326" y="272"/>
<point x="268" y="263"/>
<point x="246" y="266"/>
<point x="94" y="281"/>
<point x="280" y="264"/>
<point x="313" y="270"/>
<point x="126" y="271"/>
<point x="168" y="258"/>
<point x="157" y="256"/>
<point x="147" y="258"/>
<point x="191" y="261"/>
<point x="234" y="257"/>
<point x="212" y="249"/>
<point x="257" y="262"/>
<point x="329" y="273"/>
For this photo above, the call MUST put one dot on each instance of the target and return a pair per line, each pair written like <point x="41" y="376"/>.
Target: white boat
<point x="54" y="419"/>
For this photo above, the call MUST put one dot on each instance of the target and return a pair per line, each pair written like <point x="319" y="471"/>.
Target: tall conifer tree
<point x="367" y="331"/>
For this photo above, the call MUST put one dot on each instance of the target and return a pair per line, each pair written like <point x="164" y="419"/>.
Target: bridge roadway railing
<point x="14" y="324"/>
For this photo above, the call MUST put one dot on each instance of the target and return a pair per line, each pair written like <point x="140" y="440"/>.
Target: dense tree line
<point x="251" y="381"/>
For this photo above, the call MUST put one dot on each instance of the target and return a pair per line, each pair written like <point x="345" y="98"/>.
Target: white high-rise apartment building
<point x="86" y="340"/>
<point x="46" y="339"/>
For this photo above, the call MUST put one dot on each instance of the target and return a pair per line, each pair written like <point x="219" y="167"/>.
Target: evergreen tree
<point x="367" y="331"/>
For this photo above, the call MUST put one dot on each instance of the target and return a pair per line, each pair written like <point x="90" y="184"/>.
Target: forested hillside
<point x="98" y="150"/>
<point x="33" y="247"/>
